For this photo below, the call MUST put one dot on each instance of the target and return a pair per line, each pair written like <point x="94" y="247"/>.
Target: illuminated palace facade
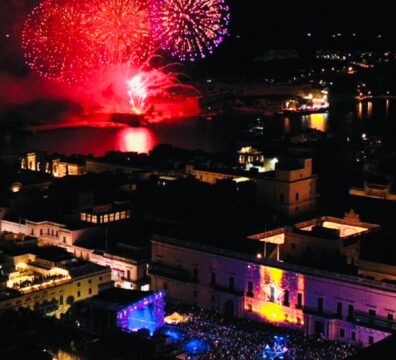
<point x="329" y="304"/>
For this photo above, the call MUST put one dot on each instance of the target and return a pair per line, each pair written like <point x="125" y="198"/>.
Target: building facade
<point x="127" y="270"/>
<point x="290" y="189"/>
<point x="50" y="288"/>
<point x="57" y="167"/>
<point x="327" y="304"/>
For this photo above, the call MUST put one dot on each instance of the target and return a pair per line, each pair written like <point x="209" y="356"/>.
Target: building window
<point x="342" y="333"/>
<point x="90" y="291"/>
<point x="297" y="197"/>
<point x="106" y="218"/>
<point x="57" y="233"/>
<point x="231" y="283"/>
<point x="41" y="231"/>
<point x="117" y="216"/>
<point x="299" y="300"/>
<point x="128" y="274"/>
<point x="250" y="308"/>
<point x="286" y="298"/>
<point x="372" y="313"/>
<point x="213" y="278"/>
<point x="100" y="278"/>
<point x="339" y="309"/>
<point x="371" y="340"/>
<point x="78" y="293"/>
<point x="353" y="336"/>
<point x="250" y="289"/>
<point x="111" y="217"/>
<point x="32" y="232"/>
<point x="83" y="216"/>
<point x="351" y="311"/>
<point x="195" y="275"/>
<point x="123" y="215"/>
<point x="48" y="231"/>
<point x="64" y="239"/>
<point x="90" y="281"/>
<point x="94" y="219"/>
<point x="320" y="305"/>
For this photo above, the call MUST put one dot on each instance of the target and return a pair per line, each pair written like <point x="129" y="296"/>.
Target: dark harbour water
<point x="377" y="117"/>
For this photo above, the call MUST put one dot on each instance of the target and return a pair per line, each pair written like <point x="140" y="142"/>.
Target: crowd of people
<point x="246" y="340"/>
<point x="37" y="280"/>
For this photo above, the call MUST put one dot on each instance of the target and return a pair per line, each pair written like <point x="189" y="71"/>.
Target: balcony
<point x="371" y="321"/>
<point x="227" y="290"/>
<point x="322" y="313"/>
<point x="170" y="272"/>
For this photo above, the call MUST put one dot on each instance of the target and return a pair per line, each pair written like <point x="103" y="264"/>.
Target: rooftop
<point x="106" y="208"/>
<point x="331" y="227"/>
<point x="126" y="238"/>
<point x="67" y="223"/>
<point x="289" y="164"/>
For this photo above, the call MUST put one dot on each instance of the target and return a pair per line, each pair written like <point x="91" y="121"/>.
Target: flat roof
<point x="106" y="208"/>
<point x="332" y="227"/>
<point x="80" y="267"/>
<point x="345" y="230"/>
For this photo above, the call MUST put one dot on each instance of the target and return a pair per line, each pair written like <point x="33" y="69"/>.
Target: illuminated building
<point x="128" y="310"/>
<point x="290" y="188"/>
<point x="107" y="213"/>
<point x="57" y="167"/>
<point x="128" y="262"/>
<point x="325" y="241"/>
<point x="233" y="279"/>
<point x="49" y="281"/>
<point x="50" y="232"/>
<point x="248" y="154"/>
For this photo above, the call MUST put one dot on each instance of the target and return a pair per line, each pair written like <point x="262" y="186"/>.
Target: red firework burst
<point x="123" y="28"/>
<point x="55" y="40"/>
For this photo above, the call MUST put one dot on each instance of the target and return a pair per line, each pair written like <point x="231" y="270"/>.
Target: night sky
<point x="259" y="25"/>
<point x="256" y="25"/>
